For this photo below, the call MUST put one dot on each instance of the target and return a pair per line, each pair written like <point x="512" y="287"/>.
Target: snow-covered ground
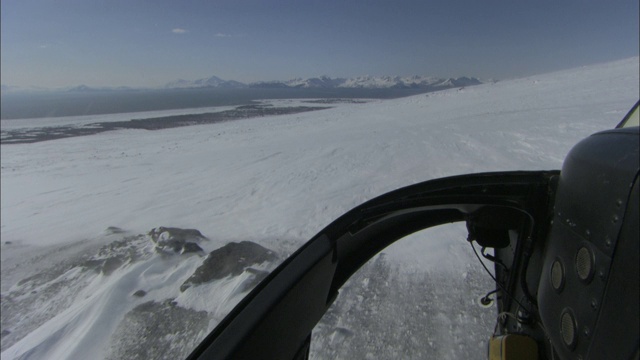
<point x="274" y="181"/>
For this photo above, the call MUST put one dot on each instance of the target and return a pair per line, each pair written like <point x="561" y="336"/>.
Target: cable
<point x="526" y="252"/>
<point x="486" y="300"/>
<point x="496" y="280"/>
<point x="523" y="276"/>
<point x="493" y="259"/>
<point x="501" y="317"/>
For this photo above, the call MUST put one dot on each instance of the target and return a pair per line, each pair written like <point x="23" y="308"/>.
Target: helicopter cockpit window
<point x="412" y="300"/>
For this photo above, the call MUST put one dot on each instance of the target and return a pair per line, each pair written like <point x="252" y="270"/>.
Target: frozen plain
<point x="276" y="181"/>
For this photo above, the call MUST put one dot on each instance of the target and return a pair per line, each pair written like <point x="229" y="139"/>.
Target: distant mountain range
<point x="322" y="82"/>
<point x="361" y="82"/>
<point x="9" y="89"/>
<point x="85" y="88"/>
<point x="212" y="82"/>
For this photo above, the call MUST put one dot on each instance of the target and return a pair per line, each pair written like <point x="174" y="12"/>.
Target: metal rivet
<point x="594" y="304"/>
<point x="601" y="274"/>
<point x="588" y="232"/>
<point x="618" y="203"/>
<point x="607" y="242"/>
<point x="586" y="331"/>
<point x="615" y="219"/>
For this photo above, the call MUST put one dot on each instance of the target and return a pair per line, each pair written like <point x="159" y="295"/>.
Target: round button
<point x="584" y="264"/>
<point x="568" y="329"/>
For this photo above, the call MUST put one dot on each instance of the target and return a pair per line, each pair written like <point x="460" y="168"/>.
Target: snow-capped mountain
<point x="319" y="82"/>
<point x="411" y="82"/>
<point x="322" y="82"/>
<point x="85" y="88"/>
<point x="315" y="82"/>
<point x="372" y="82"/>
<point x="326" y="82"/>
<point x="211" y="82"/>
<point x="10" y="89"/>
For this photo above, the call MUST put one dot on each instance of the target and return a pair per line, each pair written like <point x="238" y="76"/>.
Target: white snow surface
<point x="275" y="181"/>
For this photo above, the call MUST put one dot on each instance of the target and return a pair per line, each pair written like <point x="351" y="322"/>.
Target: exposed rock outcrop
<point x="168" y="239"/>
<point x="231" y="260"/>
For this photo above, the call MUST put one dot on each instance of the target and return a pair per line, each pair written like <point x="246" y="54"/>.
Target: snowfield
<point x="83" y="275"/>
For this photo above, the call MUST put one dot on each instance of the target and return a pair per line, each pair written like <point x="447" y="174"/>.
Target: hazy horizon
<point x="30" y="105"/>
<point x="163" y="85"/>
<point x="166" y="86"/>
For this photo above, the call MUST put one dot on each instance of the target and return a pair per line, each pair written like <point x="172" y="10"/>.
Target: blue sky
<point x="149" y="43"/>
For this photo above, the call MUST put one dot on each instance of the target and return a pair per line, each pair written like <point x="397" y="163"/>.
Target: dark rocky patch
<point x="168" y="239"/>
<point x="140" y="293"/>
<point x="114" y="230"/>
<point x="116" y="254"/>
<point x="190" y="247"/>
<point x="336" y="101"/>
<point x="110" y="265"/>
<point x="31" y="135"/>
<point x="254" y="106"/>
<point x="230" y="260"/>
<point x="176" y="233"/>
